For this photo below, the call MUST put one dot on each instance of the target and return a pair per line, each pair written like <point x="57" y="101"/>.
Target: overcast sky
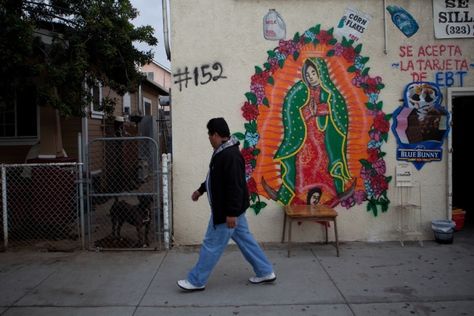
<point x="151" y="14"/>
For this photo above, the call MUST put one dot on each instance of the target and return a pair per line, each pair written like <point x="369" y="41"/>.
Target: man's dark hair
<point x="218" y="125"/>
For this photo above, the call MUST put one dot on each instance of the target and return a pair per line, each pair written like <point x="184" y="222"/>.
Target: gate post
<point x="4" y="206"/>
<point x="166" y="228"/>
<point x="81" y="191"/>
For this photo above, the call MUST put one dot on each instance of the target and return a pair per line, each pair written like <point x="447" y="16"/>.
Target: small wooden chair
<point x="321" y="213"/>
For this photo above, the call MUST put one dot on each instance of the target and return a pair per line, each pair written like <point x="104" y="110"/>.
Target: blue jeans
<point x="214" y="243"/>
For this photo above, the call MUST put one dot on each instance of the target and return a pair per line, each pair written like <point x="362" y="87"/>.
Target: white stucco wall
<point x="230" y="32"/>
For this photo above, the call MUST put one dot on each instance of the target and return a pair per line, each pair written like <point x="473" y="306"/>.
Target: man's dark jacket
<point x="229" y="195"/>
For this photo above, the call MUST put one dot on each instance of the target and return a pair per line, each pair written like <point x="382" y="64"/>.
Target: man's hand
<point x="196" y="195"/>
<point x="231" y="221"/>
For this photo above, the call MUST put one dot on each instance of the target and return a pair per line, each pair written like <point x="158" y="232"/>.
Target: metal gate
<point x="123" y="192"/>
<point x="41" y="206"/>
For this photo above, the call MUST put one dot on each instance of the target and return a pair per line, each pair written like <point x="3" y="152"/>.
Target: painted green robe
<point x="334" y="125"/>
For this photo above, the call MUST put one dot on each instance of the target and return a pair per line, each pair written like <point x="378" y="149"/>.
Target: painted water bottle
<point x="403" y="20"/>
<point x="274" y="27"/>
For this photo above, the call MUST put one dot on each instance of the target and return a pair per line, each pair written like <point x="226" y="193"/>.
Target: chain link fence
<point x="40" y="206"/>
<point x="124" y="202"/>
<point x="124" y="196"/>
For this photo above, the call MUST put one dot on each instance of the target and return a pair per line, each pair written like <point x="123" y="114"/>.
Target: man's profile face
<point x="215" y="140"/>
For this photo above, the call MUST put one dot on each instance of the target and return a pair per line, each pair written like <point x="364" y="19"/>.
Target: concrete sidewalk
<point x="367" y="279"/>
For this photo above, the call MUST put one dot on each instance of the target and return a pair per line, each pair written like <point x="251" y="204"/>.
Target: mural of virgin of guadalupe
<point x="314" y="126"/>
<point x="314" y="146"/>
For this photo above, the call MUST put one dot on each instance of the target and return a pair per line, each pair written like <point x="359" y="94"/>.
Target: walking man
<point x="228" y="198"/>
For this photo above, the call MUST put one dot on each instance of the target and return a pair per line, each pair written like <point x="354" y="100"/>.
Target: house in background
<point x="158" y="74"/>
<point x="161" y="76"/>
<point x="23" y="124"/>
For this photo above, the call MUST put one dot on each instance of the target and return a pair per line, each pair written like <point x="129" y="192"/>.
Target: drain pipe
<point x="384" y="29"/>
<point x="164" y="7"/>
<point x="141" y="111"/>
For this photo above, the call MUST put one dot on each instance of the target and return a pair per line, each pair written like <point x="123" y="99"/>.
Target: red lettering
<point x="442" y="49"/>
<point x="407" y="67"/>
<point x="421" y="51"/>
<point x="429" y="50"/>
<point x="448" y="64"/>
<point x="410" y="65"/>
<point x="420" y="63"/>
<point x="436" y="51"/>
<point x="406" y="51"/>
<point x="418" y="76"/>
<point x="457" y="51"/>
<point x="463" y="65"/>
<point x="429" y="65"/>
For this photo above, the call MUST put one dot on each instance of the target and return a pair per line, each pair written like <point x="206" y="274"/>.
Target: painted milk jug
<point x="403" y="20"/>
<point x="274" y="27"/>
